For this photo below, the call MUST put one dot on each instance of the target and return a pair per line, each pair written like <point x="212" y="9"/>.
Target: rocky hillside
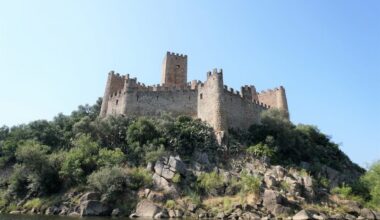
<point x="166" y="167"/>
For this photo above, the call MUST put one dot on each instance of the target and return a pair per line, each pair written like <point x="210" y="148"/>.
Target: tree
<point x="33" y="174"/>
<point x="372" y="180"/>
<point x="80" y="161"/>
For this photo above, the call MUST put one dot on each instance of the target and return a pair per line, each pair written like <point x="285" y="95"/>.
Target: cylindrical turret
<point x="282" y="102"/>
<point x="107" y="93"/>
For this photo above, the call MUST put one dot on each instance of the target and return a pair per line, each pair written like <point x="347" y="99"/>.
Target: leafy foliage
<point x="260" y="150"/>
<point x="289" y="144"/>
<point x="139" y="177"/>
<point x="80" y="160"/>
<point x="81" y="149"/>
<point x="250" y="183"/>
<point x="211" y="182"/>
<point x="371" y="181"/>
<point x="110" y="181"/>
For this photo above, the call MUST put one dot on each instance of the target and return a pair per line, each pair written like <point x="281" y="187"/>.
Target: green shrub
<point x="250" y="183"/>
<point x="193" y="196"/>
<point x="285" y="186"/>
<point x="154" y="155"/>
<point x="170" y="204"/>
<point x="33" y="203"/>
<point x="260" y="150"/>
<point x="110" y="181"/>
<point x="185" y="135"/>
<point x="105" y="178"/>
<point x="324" y="182"/>
<point x="32" y="154"/>
<point x="80" y="160"/>
<point x="34" y="173"/>
<point x="371" y="180"/>
<point x="3" y="201"/>
<point x="139" y="177"/>
<point x="176" y="178"/>
<point x="18" y="182"/>
<point x="210" y="181"/>
<point x="110" y="158"/>
<point x="344" y="191"/>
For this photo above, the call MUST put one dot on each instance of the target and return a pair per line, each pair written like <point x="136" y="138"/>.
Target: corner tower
<point x="174" y="70"/>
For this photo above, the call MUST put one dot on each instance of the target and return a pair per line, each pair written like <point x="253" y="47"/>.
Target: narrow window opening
<point x="201" y="96"/>
<point x="178" y="66"/>
<point x="117" y="101"/>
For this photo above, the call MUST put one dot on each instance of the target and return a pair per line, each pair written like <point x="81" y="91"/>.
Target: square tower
<point x="174" y="70"/>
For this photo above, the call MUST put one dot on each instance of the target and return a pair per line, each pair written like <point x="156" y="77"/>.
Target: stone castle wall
<point x="241" y="112"/>
<point x="274" y="98"/>
<point x="211" y="101"/>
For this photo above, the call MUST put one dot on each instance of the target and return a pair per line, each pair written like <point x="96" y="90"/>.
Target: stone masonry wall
<point x="174" y="69"/>
<point x="153" y="103"/>
<point x="241" y="113"/>
<point x="274" y="98"/>
<point x="211" y="102"/>
<point x="115" y="83"/>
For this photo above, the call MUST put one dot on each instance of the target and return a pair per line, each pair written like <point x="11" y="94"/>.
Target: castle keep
<point x="211" y="100"/>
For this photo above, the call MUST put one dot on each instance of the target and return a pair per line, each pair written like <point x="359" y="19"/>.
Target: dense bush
<point x="261" y="150"/>
<point x="80" y="161"/>
<point x="139" y="177"/>
<point x="371" y="181"/>
<point x="110" y="181"/>
<point x="34" y="174"/>
<point x="211" y="182"/>
<point x="185" y="135"/>
<point x="250" y="183"/>
<point x="288" y="144"/>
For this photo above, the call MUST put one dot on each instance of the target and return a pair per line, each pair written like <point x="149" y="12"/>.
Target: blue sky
<point x="55" y="55"/>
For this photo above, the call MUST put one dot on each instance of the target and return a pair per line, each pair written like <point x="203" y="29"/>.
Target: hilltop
<point x="166" y="166"/>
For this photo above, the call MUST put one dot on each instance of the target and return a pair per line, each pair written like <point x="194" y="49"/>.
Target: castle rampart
<point x="211" y="101"/>
<point x="274" y="98"/>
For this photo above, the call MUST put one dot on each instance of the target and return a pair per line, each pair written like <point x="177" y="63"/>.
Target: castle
<point x="211" y="100"/>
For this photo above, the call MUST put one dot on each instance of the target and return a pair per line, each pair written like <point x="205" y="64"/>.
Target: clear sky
<point x="55" y="55"/>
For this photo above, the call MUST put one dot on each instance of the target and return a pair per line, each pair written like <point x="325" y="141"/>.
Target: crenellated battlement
<point x="215" y="72"/>
<point x="210" y="100"/>
<point x="176" y="54"/>
<point x="271" y="91"/>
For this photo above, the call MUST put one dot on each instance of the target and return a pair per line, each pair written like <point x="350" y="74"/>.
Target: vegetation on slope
<point x="80" y="150"/>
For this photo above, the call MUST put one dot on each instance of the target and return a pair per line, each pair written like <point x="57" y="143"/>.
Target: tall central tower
<point x="174" y="70"/>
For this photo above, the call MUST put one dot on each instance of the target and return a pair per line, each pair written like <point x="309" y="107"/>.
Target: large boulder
<point x="280" y="172"/>
<point x="308" y="185"/>
<point x="94" y="208"/>
<point x="270" y="181"/>
<point x="275" y="203"/>
<point x="377" y="214"/>
<point x="302" y="215"/>
<point x="167" y="167"/>
<point x="176" y="165"/>
<point x="271" y="198"/>
<point x="146" y="208"/>
<point x="352" y="207"/>
<point x="367" y="214"/>
<point x="281" y="210"/>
